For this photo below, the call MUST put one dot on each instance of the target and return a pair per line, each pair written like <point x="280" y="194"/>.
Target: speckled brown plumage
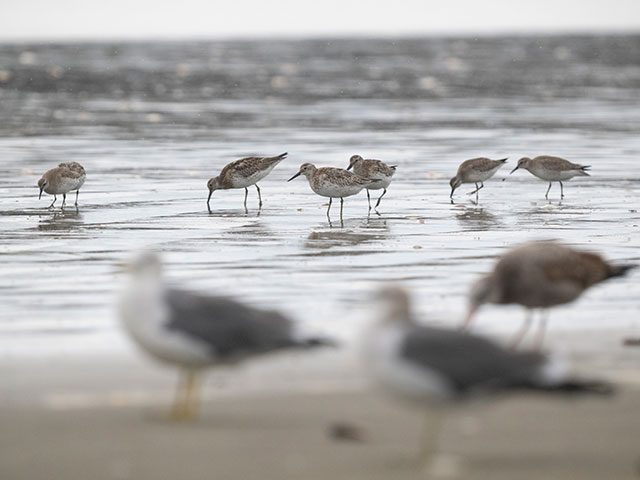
<point x="475" y="170"/>
<point x="376" y="170"/>
<point x="65" y="178"/>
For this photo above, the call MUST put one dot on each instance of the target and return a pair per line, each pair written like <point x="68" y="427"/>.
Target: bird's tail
<point x="583" y="170"/>
<point x="315" y="342"/>
<point x="619" y="270"/>
<point x="578" y="387"/>
<point x="393" y="167"/>
<point x="503" y="160"/>
<point x="282" y="156"/>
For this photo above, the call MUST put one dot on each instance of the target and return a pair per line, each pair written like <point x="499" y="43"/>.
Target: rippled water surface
<point x="152" y="122"/>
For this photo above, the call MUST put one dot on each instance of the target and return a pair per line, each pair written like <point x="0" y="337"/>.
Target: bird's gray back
<point x="227" y="326"/>
<point x="469" y="362"/>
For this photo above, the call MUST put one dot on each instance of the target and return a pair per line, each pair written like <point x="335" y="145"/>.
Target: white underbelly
<point x="473" y="177"/>
<point x="336" y="191"/>
<point x="239" y="181"/>
<point x="553" y="175"/>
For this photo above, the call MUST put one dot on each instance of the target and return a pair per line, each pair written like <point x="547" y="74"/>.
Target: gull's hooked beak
<point x="349" y="167"/>
<point x="297" y="174"/>
<point x="514" y="170"/>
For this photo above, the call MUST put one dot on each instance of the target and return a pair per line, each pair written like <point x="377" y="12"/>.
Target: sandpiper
<point x="375" y="170"/>
<point x="65" y="178"/>
<point x="193" y="331"/>
<point x="438" y="367"/>
<point x="242" y="174"/>
<point x="540" y="274"/>
<point x="552" y="169"/>
<point x="475" y="170"/>
<point x="332" y="182"/>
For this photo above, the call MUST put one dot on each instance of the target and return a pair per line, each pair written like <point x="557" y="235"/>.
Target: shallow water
<point x="152" y="122"/>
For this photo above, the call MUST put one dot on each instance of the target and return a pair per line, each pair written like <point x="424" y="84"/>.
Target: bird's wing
<point x="469" y="362"/>
<point x="227" y="326"/>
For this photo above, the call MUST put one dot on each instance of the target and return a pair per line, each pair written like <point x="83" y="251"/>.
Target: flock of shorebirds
<point x="428" y="364"/>
<point x="333" y="182"/>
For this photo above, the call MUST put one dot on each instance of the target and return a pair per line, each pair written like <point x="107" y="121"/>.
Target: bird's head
<point x="42" y="184"/>
<point x="306" y="169"/>
<point x="482" y="292"/>
<point x="455" y="182"/>
<point x="522" y="163"/>
<point x="212" y="185"/>
<point x="394" y="304"/>
<point x="354" y="160"/>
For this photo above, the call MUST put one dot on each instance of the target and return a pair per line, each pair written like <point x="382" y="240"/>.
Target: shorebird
<point x="540" y="275"/>
<point x="436" y="367"/>
<point x="65" y="178"/>
<point x="375" y="170"/>
<point x="193" y="331"/>
<point x="333" y="183"/>
<point x="242" y="174"/>
<point x="475" y="170"/>
<point x="552" y="169"/>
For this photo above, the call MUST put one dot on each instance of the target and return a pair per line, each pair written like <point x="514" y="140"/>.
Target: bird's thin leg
<point x="561" y="191"/>
<point x="329" y="209"/>
<point x="523" y="330"/>
<point x="259" y="196"/>
<point x="368" y="199"/>
<point x="54" y="201"/>
<point x="546" y="195"/>
<point x="77" y="192"/>
<point x="64" y="199"/>
<point x="474" y="191"/>
<point x="384" y="190"/>
<point x="246" y="194"/>
<point x="178" y="408"/>
<point x="192" y="395"/>
<point x="542" y="326"/>
<point x="341" y="204"/>
<point x="429" y="437"/>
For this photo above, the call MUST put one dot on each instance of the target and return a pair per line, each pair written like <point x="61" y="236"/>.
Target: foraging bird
<point x="65" y="178"/>
<point x="475" y="170"/>
<point x="333" y="183"/>
<point x="375" y="170"/>
<point x="540" y="274"/>
<point x="242" y="174"/>
<point x="438" y="367"/>
<point x="552" y="169"/>
<point x="193" y="331"/>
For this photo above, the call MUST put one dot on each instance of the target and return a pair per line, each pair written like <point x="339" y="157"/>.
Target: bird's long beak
<point x="453" y="189"/>
<point x="469" y="318"/>
<point x="40" y="196"/>
<point x="349" y="167"/>
<point x="209" y="197"/>
<point x="294" y="176"/>
<point x="513" y="170"/>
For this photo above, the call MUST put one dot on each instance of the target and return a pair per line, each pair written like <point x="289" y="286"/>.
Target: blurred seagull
<point x="437" y="367"/>
<point x="193" y="331"/>
<point x="540" y="274"/>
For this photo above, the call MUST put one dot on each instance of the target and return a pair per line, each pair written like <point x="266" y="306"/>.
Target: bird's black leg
<point x="54" y="201"/>
<point x="368" y="199"/>
<point x="329" y="209"/>
<point x="64" y="199"/>
<point x="546" y="195"/>
<point x="246" y="194"/>
<point x="384" y="190"/>
<point x="77" y="192"/>
<point x="341" y="204"/>
<point x="561" y="191"/>
<point x="259" y="196"/>
<point x="525" y="326"/>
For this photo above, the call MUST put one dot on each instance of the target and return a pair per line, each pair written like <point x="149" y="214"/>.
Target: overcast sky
<point x="77" y="19"/>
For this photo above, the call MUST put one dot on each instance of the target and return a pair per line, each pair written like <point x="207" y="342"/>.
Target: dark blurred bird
<point x="540" y="275"/>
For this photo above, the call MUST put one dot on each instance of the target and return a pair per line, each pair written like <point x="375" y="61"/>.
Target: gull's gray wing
<point x="470" y="362"/>
<point x="229" y="327"/>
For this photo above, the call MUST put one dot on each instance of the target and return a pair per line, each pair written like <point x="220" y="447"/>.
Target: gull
<point x="540" y="274"/>
<point x="552" y="169"/>
<point x="436" y="367"/>
<point x="65" y="178"/>
<point x="193" y="332"/>
<point x="242" y="174"/>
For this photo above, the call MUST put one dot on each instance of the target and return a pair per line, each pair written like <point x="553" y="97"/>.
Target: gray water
<point x="151" y="122"/>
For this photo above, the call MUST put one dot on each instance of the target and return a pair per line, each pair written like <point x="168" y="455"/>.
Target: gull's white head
<point x="146" y="264"/>
<point x="394" y="304"/>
